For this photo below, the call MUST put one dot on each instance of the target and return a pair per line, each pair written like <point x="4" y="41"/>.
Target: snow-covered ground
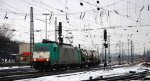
<point x="78" y="76"/>
<point x="13" y="67"/>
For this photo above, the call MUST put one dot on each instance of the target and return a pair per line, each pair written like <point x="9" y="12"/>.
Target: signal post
<point x="106" y="46"/>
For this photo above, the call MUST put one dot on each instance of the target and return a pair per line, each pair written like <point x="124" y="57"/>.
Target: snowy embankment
<point x="13" y="67"/>
<point x="78" y="76"/>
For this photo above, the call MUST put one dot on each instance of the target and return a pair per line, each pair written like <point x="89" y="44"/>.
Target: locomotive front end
<point x="41" y="56"/>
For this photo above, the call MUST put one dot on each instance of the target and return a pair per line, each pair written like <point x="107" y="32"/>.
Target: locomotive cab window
<point x="41" y="48"/>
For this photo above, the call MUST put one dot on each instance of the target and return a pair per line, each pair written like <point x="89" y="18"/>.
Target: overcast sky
<point x="123" y="19"/>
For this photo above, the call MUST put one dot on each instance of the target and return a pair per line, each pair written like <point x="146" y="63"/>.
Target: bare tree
<point x="5" y="32"/>
<point x="5" y="39"/>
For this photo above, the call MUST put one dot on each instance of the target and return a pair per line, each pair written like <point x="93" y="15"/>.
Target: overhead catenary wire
<point x="37" y="14"/>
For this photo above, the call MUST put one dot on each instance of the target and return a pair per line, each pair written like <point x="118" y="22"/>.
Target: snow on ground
<point x="13" y="67"/>
<point x="78" y="76"/>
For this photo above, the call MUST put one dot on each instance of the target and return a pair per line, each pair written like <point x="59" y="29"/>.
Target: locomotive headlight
<point x="34" y="59"/>
<point x="47" y="59"/>
<point x="41" y="53"/>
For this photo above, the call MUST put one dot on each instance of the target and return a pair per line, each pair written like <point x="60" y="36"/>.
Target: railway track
<point x="23" y="76"/>
<point x="124" y="77"/>
<point x="35" y="74"/>
<point x="23" y="73"/>
<point x="7" y="72"/>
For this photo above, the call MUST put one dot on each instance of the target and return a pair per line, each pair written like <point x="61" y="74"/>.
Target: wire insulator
<point x="81" y="3"/>
<point x="98" y="8"/>
<point x="97" y="1"/>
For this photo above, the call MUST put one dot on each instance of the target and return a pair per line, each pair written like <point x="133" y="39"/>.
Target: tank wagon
<point x="47" y="56"/>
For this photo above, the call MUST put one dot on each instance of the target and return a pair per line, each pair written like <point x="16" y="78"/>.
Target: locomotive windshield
<point x="41" y="48"/>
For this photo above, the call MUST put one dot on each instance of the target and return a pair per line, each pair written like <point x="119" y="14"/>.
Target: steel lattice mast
<point x="31" y="32"/>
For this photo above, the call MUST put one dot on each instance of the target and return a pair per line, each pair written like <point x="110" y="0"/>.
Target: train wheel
<point x="86" y="66"/>
<point x="46" y="69"/>
<point x="68" y="68"/>
<point x="51" y="69"/>
<point x="82" y="66"/>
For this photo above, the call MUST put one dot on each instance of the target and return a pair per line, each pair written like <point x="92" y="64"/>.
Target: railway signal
<point x="60" y="33"/>
<point x="106" y="46"/>
<point x="105" y="35"/>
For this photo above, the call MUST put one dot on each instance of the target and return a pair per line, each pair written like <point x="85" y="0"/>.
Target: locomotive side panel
<point x="67" y="55"/>
<point x="54" y="53"/>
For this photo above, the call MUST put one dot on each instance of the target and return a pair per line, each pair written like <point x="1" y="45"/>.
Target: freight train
<point x="51" y="55"/>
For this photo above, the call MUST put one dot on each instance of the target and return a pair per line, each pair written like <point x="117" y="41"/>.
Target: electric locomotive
<point x="50" y="55"/>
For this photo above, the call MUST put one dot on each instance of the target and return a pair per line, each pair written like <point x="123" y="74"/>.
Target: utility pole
<point x="31" y="33"/>
<point x="109" y="49"/>
<point x="144" y="53"/>
<point x="131" y="52"/>
<point x="128" y="51"/>
<point x="120" y="52"/>
<point x="46" y="24"/>
<point x="56" y="29"/>
<point x="67" y="36"/>
<point x="102" y="52"/>
<point x="98" y="54"/>
<point x="147" y="55"/>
